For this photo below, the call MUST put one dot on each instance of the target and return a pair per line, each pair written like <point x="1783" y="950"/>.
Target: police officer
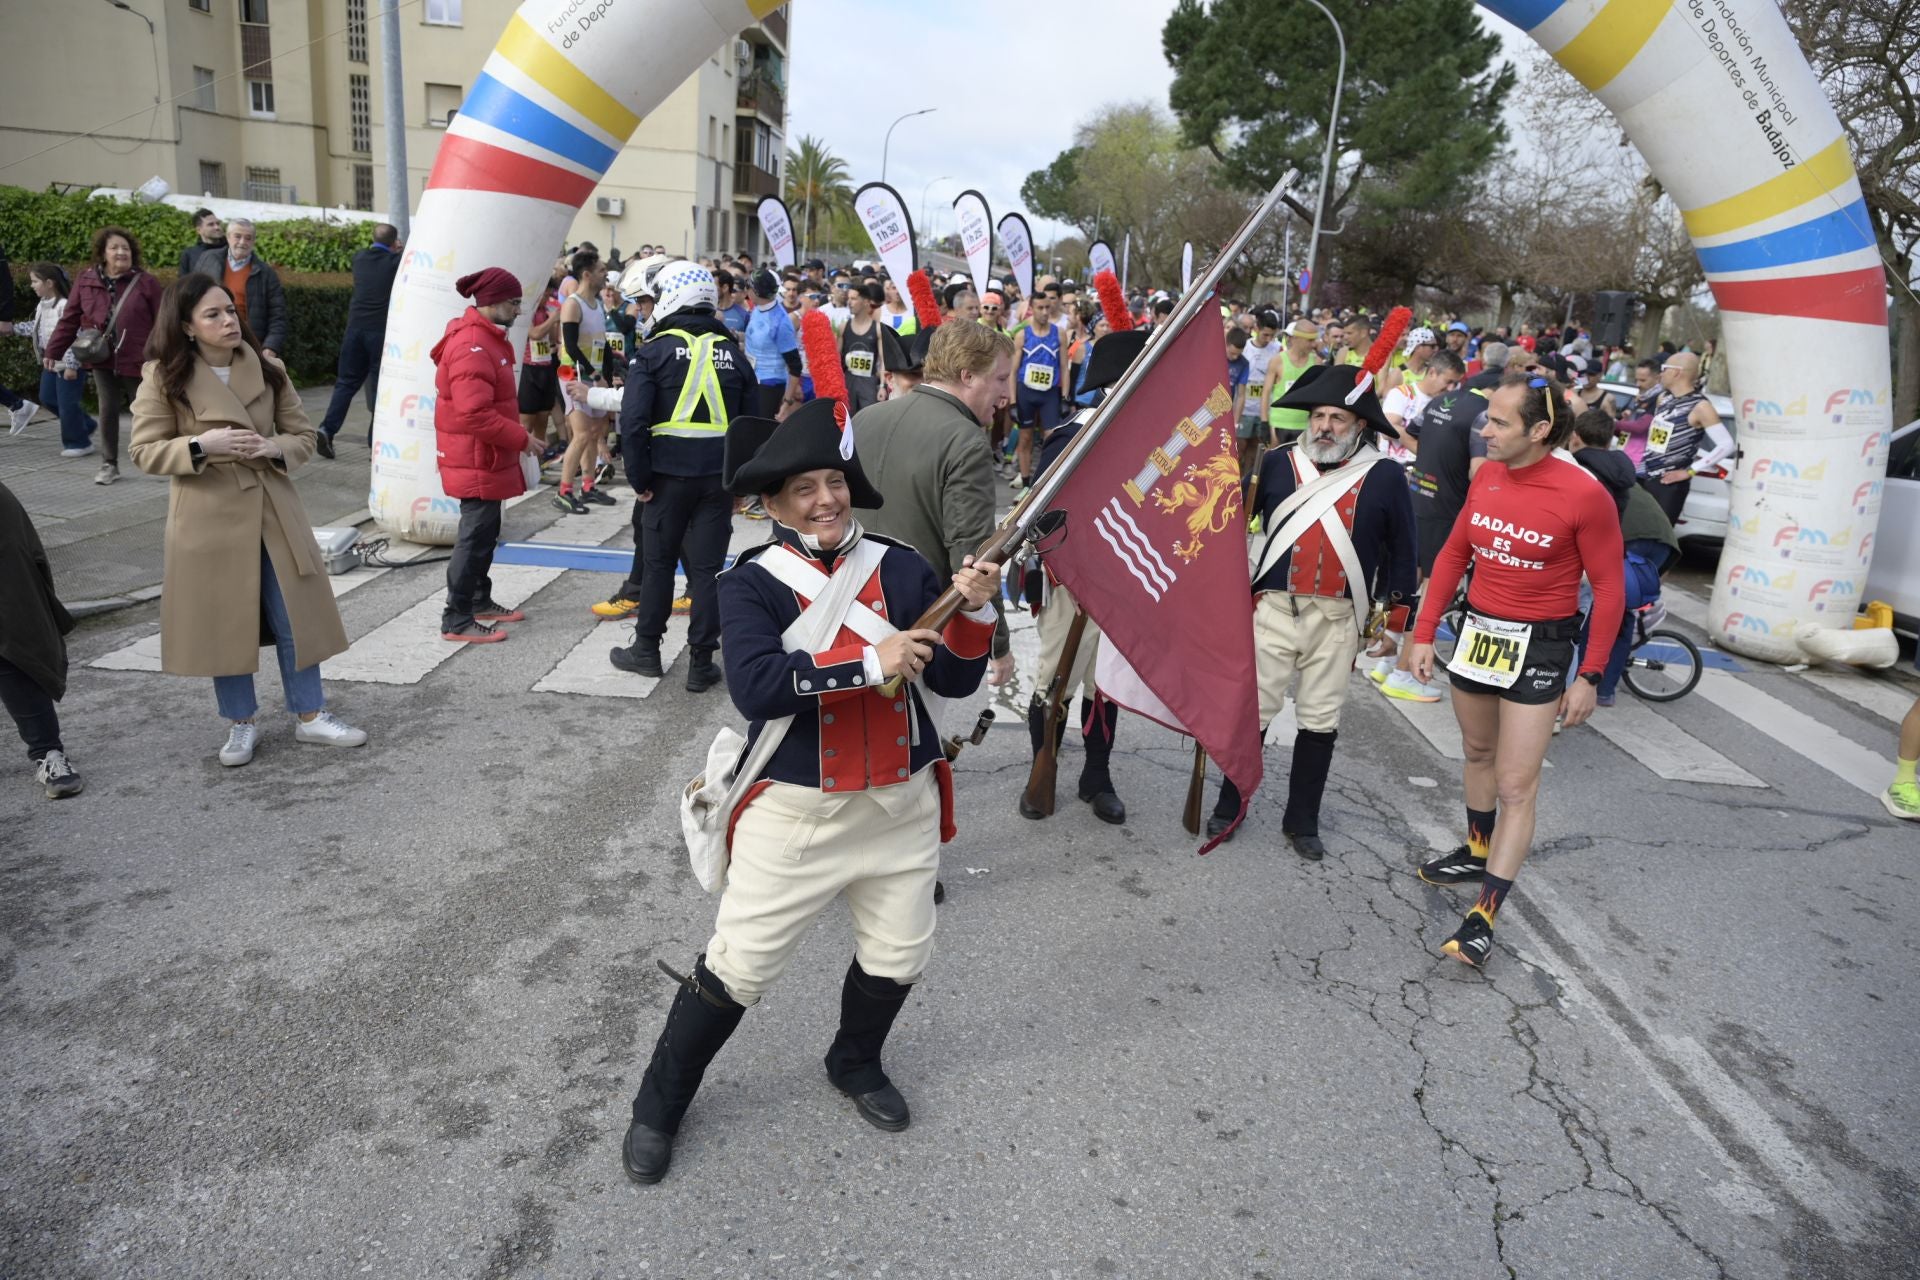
<point x="684" y="384"/>
<point x="1055" y="610"/>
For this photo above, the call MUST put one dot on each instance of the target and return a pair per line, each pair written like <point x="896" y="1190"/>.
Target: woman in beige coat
<point x="242" y="569"/>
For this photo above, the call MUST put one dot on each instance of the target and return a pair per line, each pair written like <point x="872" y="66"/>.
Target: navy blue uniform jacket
<point x="656" y="372"/>
<point x="1382" y="528"/>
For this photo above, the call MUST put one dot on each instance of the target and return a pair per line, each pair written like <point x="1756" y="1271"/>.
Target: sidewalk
<point x="106" y="541"/>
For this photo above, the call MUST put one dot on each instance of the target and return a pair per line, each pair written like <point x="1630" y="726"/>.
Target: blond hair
<point x="958" y="347"/>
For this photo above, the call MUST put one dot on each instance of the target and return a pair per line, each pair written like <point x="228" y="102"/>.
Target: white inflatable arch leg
<point x="557" y="99"/>
<point x="1733" y="122"/>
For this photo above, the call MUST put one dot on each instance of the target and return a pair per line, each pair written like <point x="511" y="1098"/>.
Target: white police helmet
<point x="685" y="284"/>
<point x="636" y="280"/>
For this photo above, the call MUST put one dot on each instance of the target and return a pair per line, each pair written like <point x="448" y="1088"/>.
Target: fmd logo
<point x="395" y="351"/>
<point x="1744" y="622"/>
<point x="416" y="406"/>
<point x="1787" y="533"/>
<point x="1873" y="441"/>
<point x="1848" y="397"/>
<point x="1866" y="548"/>
<point x="390" y="452"/>
<point x="1831" y="591"/>
<point x="421" y="258"/>
<point x="1866" y="495"/>
<point x="436" y="506"/>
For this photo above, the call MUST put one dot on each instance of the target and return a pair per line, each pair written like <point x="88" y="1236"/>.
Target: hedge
<point x="38" y="226"/>
<point x="318" y="303"/>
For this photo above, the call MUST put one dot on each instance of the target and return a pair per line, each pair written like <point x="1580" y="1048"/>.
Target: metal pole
<point x="1162" y="337"/>
<point x="393" y="85"/>
<point x="1326" y="160"/>
<point x="888" y="142"/>
<point x="925" y="231"/>
<point x="1286" y="263"/>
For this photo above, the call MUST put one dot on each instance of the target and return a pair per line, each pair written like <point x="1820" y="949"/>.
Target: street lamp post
<point x="889" y="138"/>
<point x="1326" y="160"/>
<point x="925" y="231"/>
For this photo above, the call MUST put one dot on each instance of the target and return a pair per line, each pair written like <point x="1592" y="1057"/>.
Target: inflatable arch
<point x="1715" y="94"/>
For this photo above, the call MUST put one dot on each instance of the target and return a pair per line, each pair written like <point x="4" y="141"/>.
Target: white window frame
<point x="442" y="13"/>
<point x="259" y="91"/>
<point x="206" y="93"/>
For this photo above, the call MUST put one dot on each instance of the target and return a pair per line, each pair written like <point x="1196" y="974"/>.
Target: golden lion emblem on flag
<point x="1209" y="492"/>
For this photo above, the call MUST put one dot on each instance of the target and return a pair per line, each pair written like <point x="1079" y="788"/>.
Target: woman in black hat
<point x="856" y="798"/>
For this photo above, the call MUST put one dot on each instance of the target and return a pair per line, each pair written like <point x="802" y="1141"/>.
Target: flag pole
<point x="1019" y="523"/>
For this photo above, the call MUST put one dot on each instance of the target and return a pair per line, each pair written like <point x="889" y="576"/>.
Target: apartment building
<point x="281" y="100"/>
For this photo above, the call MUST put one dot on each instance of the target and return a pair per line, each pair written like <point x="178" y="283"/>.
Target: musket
<point x="1019" y="526"/>
<point x="1041" y="781"/>
<point x="1196" y="790"/>
<point x="954" y="745"/>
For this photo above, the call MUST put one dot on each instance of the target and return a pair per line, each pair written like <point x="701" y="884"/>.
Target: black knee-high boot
<point x="868" y="1006"/>
<point x="1306" y="783"/>
<point x="1096" y="783"/>
<point x="1225" y="809"/>
<point x="698" y="1025"/>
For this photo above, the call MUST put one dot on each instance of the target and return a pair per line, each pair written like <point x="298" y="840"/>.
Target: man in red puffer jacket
<point x="476" y="422"/>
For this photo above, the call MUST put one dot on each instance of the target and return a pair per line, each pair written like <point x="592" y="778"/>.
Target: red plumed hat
<point x="1113" y="301"/>
<point x="925" y="310"/>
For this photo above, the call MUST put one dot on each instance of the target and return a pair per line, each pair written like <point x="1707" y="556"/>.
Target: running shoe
<point x="1902" y="800"/>
<point x="603" y="475"/>
<point x="241" y="739"/>
<point x="491" y="610"/>
<point x="1472" y="942"/>
<point x="21" y="416"/>
<point x="475" y="632"/>
<point x="1458" y="867"/>
<point x="57" y="775"/>
<point x="571" y="505"/>
<point x="1381" y="669"/>
<point x="597" y="497"/>
<point x="683" y="605"/>
<point x="107" y="474"/>
<point x="616" y="608"/>
<point x="1402" y="685"/>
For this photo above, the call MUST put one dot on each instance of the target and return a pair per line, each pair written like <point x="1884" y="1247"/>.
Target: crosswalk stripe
<point x="586" y="670"/>
<point x="406" y="649"/>
<point x="1808" y="737"/>
<point x="1690" y="609"/>
<point x="1433" y="720"/>
<point x="1884" y="698"/>
<point x="1663" y="747"/>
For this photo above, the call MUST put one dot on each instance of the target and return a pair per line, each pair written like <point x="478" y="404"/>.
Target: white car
<point x="1895" y="575"/>
<point x="1703" y="520"/>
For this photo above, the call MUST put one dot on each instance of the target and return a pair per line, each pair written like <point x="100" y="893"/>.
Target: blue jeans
<point x="76" y="424"/>
<point x="360" y="351"/>
<point x="301" y="684"/>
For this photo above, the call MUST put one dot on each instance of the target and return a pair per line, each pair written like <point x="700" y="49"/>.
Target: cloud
<point x="1009" y="80"/>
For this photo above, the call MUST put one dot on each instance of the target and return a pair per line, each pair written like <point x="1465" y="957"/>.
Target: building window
<point x="213" y="179"/>
<point x="357" y="31"/>
<point x="260" y="97"/>
<point x="443" y="13"/>
<point x="264" y="184"/>
<point x="360" y="113"/>
<point x="200" y="6"/>
<point x="363" y="187"/>
<point x="254" y="12"/>
<point x="443" y="103"/>
<point x="203" y="88"/>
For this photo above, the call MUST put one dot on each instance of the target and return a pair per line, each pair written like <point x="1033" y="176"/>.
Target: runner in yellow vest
<point x="1292" y="360"/>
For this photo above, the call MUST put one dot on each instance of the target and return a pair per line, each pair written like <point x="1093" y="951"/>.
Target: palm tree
<point x="817" y="184"/>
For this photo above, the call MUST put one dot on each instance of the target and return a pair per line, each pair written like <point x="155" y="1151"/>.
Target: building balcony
<point x="752" y="181"/>
<point x="759" y="94"/>
<point x="776" y="25"/>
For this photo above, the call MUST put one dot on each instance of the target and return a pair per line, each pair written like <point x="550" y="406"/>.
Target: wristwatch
<point x="1591" y="677"/>
<point x="194" y="450"/>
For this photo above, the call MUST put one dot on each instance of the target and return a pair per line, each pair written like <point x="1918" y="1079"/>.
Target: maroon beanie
<point x="489" y="286"/>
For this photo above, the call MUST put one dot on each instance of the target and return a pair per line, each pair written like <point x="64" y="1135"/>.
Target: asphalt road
<point x="382" y="1011"/>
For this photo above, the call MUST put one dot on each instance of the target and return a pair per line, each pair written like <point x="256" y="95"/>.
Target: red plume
<point x="1113" y="302"/>
<point x="1382" y="349"/>
<point x="925" y="310"/>
<point x="823" y="362"/>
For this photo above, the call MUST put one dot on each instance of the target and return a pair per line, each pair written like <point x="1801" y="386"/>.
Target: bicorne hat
<point x="762" y="453"/>
<point x="1334" y="385"/>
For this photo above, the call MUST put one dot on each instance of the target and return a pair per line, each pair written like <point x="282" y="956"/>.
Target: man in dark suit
<point x="374" y="270"/>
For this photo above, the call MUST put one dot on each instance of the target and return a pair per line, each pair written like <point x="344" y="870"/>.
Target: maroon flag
<point x="1155" y="551"/>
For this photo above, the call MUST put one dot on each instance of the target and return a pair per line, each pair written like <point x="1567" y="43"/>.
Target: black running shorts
<point x="539" y="388"/>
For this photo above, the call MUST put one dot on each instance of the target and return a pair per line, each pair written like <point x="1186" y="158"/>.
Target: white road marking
<point x="1884" y="698"/>
<point x="406" y="649"/>
<point x="1685" y="606"/>
<point x="1808" y="737"/>
<point x="1434" y="720"/>
<point x="1654" y="741"/>
<point x="586" y="669"/>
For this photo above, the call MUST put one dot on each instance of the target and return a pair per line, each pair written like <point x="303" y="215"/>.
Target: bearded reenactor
<point x="1339" y="524"/>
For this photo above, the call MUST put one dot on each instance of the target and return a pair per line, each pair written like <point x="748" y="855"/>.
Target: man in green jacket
<point x="927" y="453"/>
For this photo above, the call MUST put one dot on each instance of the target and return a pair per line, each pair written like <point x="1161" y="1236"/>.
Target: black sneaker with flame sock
<point x="1458" y="867"/>
<point x="1472" y="942"/>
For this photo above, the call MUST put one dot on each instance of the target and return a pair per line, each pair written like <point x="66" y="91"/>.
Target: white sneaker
<point x="1382" y="668"/>
<point x="328" y="730"/>
<point x="22" y="416"/>
<point x="1402" y="685"/>
<point x="81" y="452"/>
<point x="240" y="742"/>
<point x="55" y="773"/>
<point x="107" y="474"/>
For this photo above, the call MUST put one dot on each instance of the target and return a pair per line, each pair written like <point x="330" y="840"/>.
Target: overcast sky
<point x="858" y="64"/>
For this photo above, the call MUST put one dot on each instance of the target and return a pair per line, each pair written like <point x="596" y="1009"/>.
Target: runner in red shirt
<point x="1534" y="522"/>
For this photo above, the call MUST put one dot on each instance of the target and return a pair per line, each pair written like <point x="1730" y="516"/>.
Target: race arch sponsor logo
<point x="1745" y="622"/>
<point x="1833" y="591"/>
<point x="387" y="451"/>
<point x="417" y="405"/>
<point x="1871" y="441"/>
<point x="1866" y="548"/>
<point x="1753" y="408"/>
<point x="424" y="505"/>
<point x="1849" y="397"/>
<point x="1746" y="575"/>
<point x="1801" y="536"/>
<point x="1780" y="469"/>
<point x="427" y="262"/>
<point x="410" y="354"/>
<point x="1865" y="495"/>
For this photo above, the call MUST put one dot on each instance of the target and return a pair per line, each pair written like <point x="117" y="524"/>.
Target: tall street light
<point x="889" y="138"/>
<point x="926" y="231"/>
<point x="1326" y="160"/>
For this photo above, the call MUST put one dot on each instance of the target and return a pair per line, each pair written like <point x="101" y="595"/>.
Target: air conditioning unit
<point x="610" y="206"/>
<point x="743" y="51"/>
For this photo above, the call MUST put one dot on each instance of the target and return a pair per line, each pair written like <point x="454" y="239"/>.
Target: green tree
<point x="1419" y="115"/>
<point x="817" y="186"/>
